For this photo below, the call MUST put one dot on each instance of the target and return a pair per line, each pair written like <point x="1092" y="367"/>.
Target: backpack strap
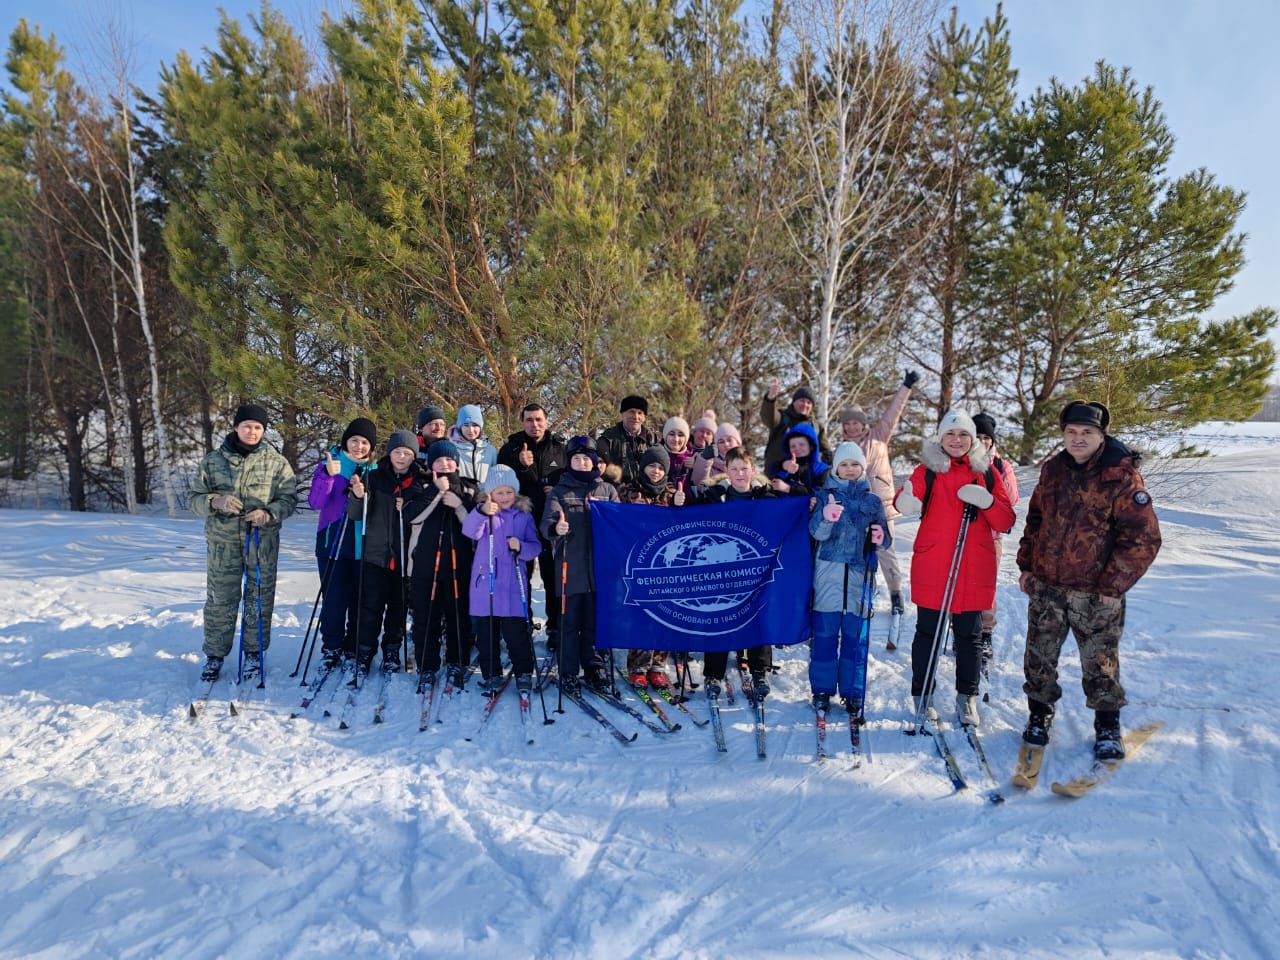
<point x="929" y="477"/>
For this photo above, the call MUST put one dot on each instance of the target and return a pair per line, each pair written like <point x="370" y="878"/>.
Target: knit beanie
<point x="633" y="402"/>
<point x="803" y="393"/>
<point x="250" y="411"/>
<point x="470" y="413"/>
<point x="730" y="431"/>
<point x="500" y="475"/>
<point x="363" y="427"/>
<point x="676" y="423"/>
<point x="854" y="413"/>
<point x="657" y="454"/>
<point x="958" y="420"/>
<point x="706" y="422"/>
<point x="402" y="438"/>
<point x="985" y="424"/>
<point x="441" y="448"/>
<point x="428" y="413"/>
<point x="850" y="451"/>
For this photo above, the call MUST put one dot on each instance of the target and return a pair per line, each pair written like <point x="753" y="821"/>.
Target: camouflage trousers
<point x="227" y="587"/>
<point x="1051" y="612"/>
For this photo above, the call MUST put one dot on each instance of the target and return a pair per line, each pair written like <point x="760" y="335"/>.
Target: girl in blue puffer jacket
<point x="848" y="523"/>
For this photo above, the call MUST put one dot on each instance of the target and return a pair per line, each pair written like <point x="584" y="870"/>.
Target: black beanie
<point x="985" y="424"/>
<point x="428" y="413"/>
<point x="633" y="402"/>
<point x="360" y="427"/>
<point x="251" y="411"/>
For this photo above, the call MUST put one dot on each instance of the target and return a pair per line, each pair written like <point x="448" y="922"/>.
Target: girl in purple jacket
<point x="506" y="537"/>
<point x="338" y="540"/>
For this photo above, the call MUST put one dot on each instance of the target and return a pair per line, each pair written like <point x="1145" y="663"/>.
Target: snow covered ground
<point x="128" y="831"/>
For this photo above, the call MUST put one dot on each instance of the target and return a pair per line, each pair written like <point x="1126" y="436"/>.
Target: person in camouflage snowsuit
<point x="1091" y="533"/>
<point x="242" y="488"/>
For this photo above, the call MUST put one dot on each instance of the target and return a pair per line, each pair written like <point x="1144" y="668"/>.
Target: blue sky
<point x="1211" y="64"/>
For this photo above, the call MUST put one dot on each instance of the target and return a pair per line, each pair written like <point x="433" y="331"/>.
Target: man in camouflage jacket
<point x="242" y="488"/>
<point x="1091" y="533"/>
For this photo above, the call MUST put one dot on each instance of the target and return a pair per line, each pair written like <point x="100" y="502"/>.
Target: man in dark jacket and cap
<point x="622" y="444"/>
<point x="1091" y="533"/>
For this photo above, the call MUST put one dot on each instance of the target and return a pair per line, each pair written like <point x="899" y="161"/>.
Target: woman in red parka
<point x="959" y="466"/>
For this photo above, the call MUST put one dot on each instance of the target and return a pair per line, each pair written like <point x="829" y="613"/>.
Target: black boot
<point x="212" y="669"/>
<point x="1039" y="720"/>
<point x="1108" y="742"/>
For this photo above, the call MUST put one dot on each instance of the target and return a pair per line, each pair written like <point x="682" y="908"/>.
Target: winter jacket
<point x="840" y="561"/>
<point x="328" y="496"/>
<point x="723" y="492"/>
<point x="1005" y="469"/>
<point x="808" y="479"/>
<point x="940" y="527"/>
<point x="644" y="491"/>
<point x="621" y="453"/>
<point x="1090" y="527"/>
<point x="875" y="445"/>
<point x="433" y="526"/>
<point x="779" y="424"/>
<point x="385" y="526"/>
<point x="510" y="591"/>
<point x="262" y="479"/>
<point x="571" y="495"/>
<point x="549" y="461"/>
<point x="475" y="457"/>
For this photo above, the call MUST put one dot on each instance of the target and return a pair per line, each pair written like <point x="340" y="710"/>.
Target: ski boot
<point x="638" y="678"/>
<point x="489" y="687"/>
<point x="822" y="701"/>
<point x="212" y="669"/>
<point x="330" y="659"/>
<point x="1108" y="742"/>
<point x="524" y="683"/>
<point x="759" y="685"/>
<point x="1039" y="720"/>
<point x="967" y="710"/>
<point x="390" y="664"/>
<point x="924" y="709"/>
<point x="251" y="667"/>
<point x="658" y="679"/>
<point x="712" y="685"/>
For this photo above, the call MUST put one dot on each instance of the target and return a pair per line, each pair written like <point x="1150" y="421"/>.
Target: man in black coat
<point x="538" y="457"/>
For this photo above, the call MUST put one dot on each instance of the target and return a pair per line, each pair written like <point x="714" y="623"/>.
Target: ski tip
<point x="343" y="725"/>
<point x="192" y="713"/>
<point x="234" y="711"/>
<point x="377" y="719"/>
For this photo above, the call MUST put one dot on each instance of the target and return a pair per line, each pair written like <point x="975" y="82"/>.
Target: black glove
<point x="909" y="379"/>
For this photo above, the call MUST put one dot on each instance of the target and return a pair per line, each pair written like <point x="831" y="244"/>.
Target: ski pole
<point x="528" y="635"/>
<point x="948" y="594"/>
<point x="404" y="601"/>
<point x="457" y="618"/>
<point x="865" y="612"/>
<point x="419" y="657"/>
<point x="257" y="574"/>
<point x="364" y="528"/>
<point x="330" y="564"/>
<point x="244" y="610"/>
<point x="564" y="582"/>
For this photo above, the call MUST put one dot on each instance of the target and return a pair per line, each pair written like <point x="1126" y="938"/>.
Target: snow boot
<point x="571" y="686"/>
<point x="822" y="701"/>
<point x="329" y="659"/>
<point x="426" y="681"/>
<point x="457" y="675"/>
<point x="967" y="710"/>
<point x="895" y="603"/>
<point x="926" y="712"/>
<point x="853" y="706"/>
<point x="1108" y="742"/>
<point x="251" y="667"/>
<point x="390" y="664"/>
<point x="1039" y="719"/>
<point x="212" y="669"/>
<point x="490" y="686"/>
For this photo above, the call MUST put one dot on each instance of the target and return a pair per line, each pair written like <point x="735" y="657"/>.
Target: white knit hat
<point x="850" y="451"/>
<point x="958" y="420"/>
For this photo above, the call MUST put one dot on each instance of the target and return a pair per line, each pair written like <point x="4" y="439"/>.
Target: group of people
<point x="448" y="528"/>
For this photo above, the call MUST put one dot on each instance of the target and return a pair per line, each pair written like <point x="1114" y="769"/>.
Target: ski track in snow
<point x="127" y="830"/>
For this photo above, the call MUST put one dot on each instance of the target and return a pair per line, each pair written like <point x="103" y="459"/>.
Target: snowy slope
<point x="128" y="831"/>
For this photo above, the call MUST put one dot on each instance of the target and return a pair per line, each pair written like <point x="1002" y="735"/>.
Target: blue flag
<point x="718" y="577"/>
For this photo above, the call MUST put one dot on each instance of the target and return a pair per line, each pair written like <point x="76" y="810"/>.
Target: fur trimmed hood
<point x="936" y="459"/>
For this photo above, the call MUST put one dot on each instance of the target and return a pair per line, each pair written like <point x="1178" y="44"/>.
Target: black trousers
<point x="966" y="628"/>
<point x="759" y="660"/>
<point x="491" y="633"/>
